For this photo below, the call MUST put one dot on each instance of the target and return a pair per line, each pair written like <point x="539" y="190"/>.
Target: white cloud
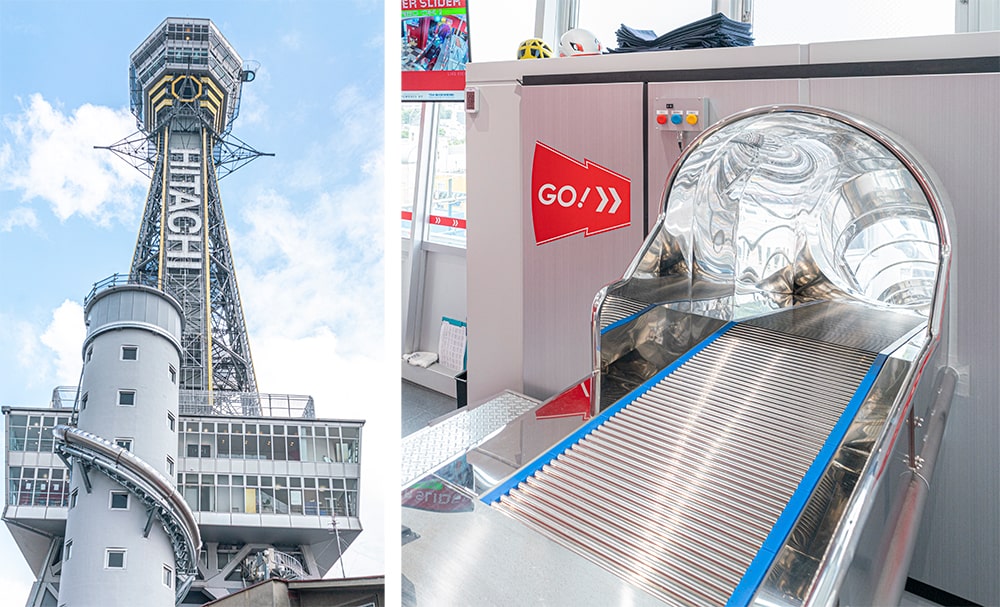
<point x="47" y="356"/>
<point x="354" y="139"/>
<point x="51" y="158"/>
<point x="306" y="271"/>
<point x="64" y="336"/>
<point x="253" y="110"/>
<point x="16" y="217"/>
<point x="311" y="281"/>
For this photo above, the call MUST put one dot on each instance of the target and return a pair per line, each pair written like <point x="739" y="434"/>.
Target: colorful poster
<point x="435" y="44"/>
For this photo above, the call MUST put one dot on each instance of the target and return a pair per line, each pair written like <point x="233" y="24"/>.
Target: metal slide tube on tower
<point x="122" y="456"/>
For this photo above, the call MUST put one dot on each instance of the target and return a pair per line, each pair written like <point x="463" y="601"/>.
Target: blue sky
<point x="306" y="226"/>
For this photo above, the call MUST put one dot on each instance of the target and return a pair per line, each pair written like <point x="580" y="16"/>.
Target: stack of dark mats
<point x="710" y="32"/>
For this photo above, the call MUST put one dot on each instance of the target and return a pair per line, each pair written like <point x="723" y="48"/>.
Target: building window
<point x="83" y="402"/>
<point x="29" y="486"/>
<point x="72" y="498"/>
<point x="170" y="465"/>
<point x="168" y="577"/>
<point x="171" y="421"/>
<point x="119" y="500"/>
<point x="68" y="550"/>
<point x="130" y="352"/>
<point x="124" y="443"/>
<point x="173" y="374"/>
<point x="90" y="353"/>
<point x="114" y="558"/>
<point x="126" y="398"/>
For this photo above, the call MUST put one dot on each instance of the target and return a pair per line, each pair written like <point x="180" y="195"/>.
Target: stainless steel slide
<point x="157" y="493"/>
<point x="760" y="377"/>
<point x="754" y="369"/>
<point x="679" y="489"/>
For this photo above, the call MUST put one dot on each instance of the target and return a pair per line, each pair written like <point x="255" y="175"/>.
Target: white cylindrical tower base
<point x="113" y="554"/>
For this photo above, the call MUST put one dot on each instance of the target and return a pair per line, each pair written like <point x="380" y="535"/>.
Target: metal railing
<point x="220" y="403"/>
<point x="271" y="563"/>
<point x="245" y="404"/>
<point x="63" y="397"/>
<point x="116" y="280"/>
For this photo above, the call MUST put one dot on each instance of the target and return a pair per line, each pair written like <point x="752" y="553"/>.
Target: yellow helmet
<point x="534" y="48"/>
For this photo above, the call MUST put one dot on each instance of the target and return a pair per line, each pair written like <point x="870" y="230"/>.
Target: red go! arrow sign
<point x="568" y="196"/>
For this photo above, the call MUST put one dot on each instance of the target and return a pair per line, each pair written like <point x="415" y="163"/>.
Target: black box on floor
<point x="462" y="389"/>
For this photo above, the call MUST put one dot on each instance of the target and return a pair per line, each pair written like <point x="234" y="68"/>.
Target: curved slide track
<point x="156" y="492"/>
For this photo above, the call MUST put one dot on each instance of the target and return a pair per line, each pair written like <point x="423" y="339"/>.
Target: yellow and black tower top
<point x="185" y="82"/>
<point x="186" y="61"/>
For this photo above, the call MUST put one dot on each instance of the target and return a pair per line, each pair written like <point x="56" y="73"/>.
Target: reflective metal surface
<point x="484" y="558"/>
<point x="750" y="465"/>
<point x="780" y="206"/>
<point x="426" y="450"/>
<point x="678" y="491"/>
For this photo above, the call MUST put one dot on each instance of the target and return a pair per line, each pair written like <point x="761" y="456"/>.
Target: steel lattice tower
<point x="185" y="82"/>
<point x="165" y="478"/>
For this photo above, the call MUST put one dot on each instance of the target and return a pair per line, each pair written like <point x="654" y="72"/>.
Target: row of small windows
<point x="277" y="442"/>
<point x="33" y="432"/>
<point x="255" y="494"/>
<point x="129" y="352"/>
<point x="117" y="558"/>
<point x="28" y="486"/>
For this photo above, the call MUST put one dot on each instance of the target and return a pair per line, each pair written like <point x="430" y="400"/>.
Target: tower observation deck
<point x="185" y="82"/>
<point x="165" y="477"/>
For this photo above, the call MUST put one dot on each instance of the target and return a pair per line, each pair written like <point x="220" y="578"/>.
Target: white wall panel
<point x="495" y="267"/>
<point x="444" y="294"/>
<point x="601" y="123"/>
<point x="952" y="121"/>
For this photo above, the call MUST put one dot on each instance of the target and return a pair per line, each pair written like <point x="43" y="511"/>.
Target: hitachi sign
<point x="184" y="238"/>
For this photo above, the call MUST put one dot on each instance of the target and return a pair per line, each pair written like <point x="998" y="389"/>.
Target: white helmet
<point x="579" y="41"/>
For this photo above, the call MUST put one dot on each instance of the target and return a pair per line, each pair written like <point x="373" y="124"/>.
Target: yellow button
<point x="691" y="118"/>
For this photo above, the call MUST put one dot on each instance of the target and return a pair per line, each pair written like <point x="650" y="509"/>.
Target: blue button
<point x="676" y="118"/>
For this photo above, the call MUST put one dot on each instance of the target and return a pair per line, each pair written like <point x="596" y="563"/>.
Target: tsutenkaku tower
<point x="185" y="82"/>
<point x="171" y="480"/>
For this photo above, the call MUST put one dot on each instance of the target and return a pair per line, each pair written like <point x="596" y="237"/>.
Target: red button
<point x="661" y="118"/>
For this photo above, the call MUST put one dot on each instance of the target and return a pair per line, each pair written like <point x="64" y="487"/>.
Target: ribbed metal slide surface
<point x="677" y="492"/>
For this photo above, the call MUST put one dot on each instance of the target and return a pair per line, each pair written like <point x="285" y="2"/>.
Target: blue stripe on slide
<point x="628" y="318"/>
<point x="758" y="568"/>
<point x="539" y="462"/>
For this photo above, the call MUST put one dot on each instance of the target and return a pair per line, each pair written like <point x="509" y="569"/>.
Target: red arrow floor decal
<point x="575" y="401"/>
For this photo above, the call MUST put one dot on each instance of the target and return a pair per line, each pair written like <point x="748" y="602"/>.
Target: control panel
<point x="680" y="114"/>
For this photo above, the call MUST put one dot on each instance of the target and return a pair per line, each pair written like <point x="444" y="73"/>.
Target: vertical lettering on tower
<point x="184" y="210"/>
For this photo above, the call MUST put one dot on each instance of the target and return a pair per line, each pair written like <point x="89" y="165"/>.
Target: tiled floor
<point x="421" y="405"/>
